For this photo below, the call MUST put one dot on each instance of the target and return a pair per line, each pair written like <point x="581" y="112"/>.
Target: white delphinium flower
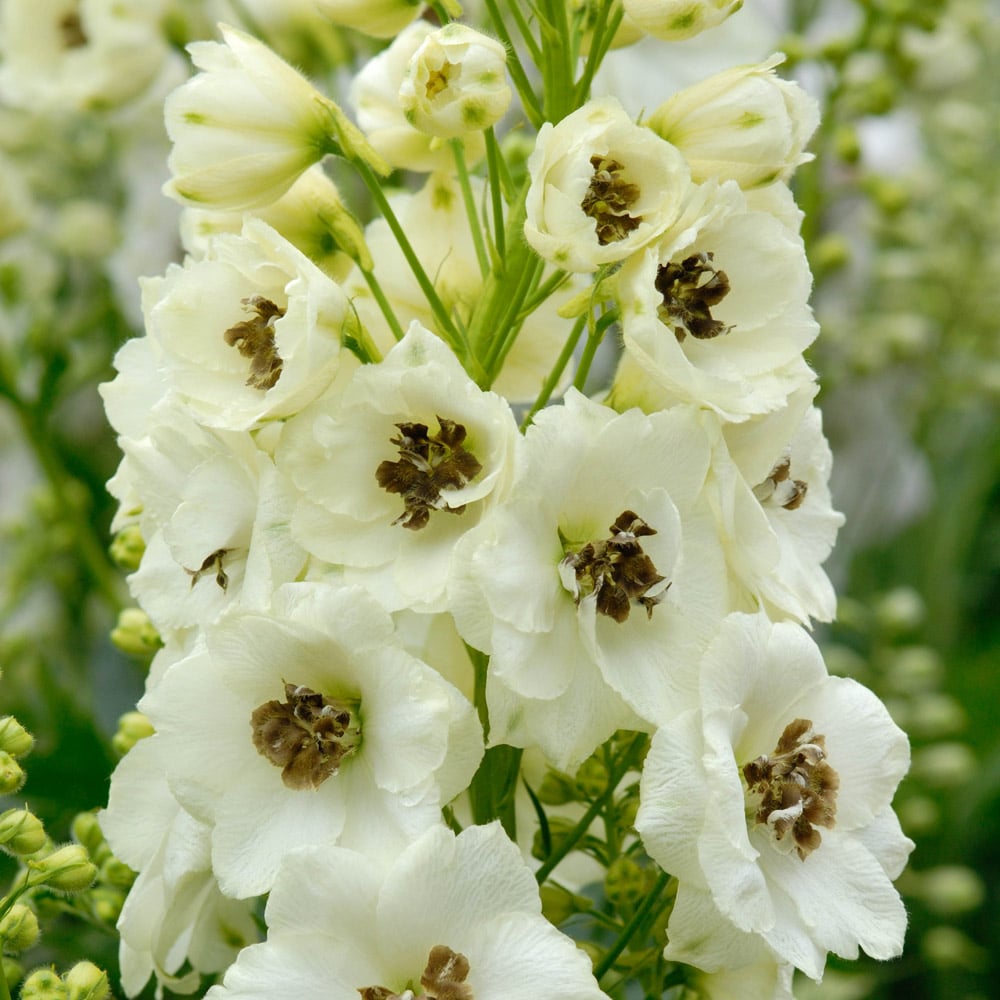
<point x="720" y="317"/>
<point x="309" y="724"/>
<point x="673" y="20"/>
<point x="602" y="188"/>
<point x="215" y="516"/>
<point x="174" y="911"/>
<point x="248" y="125"/>
<point x="374" y="94"/>
<point x="437" y="227"/>
<point x="744" y="124"/>
<point x="771" y="805"/>
<point x="379" y="18"/>
<point x="453" y="917"/>
<point x="252" y="332"/>
<point x="85" y="54"/>
<point x="598" y="582"/>
<point x="455" y="83"/>
<point x="396" y="467"/>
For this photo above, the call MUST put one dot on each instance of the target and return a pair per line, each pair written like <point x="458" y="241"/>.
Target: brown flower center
<point x="442" y="979"/>
<point x="689" y="291"/>
<point x="427" y="465"/>
<point x="780" y="490"/>
<point x="212" y="562"/>
<point x="308" y="735"/>
<point x="608" y="200"/>
<point x="615" y="569"/>
<point x="794" y="790"/>
<point x="254" y="339"/>
<point x="71" y="27"/>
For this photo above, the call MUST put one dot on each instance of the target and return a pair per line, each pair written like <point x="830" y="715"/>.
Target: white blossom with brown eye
<point x="310" y="725"/>
<point x="602" y="188"/>
<point x="249" y="333"/>
<point x="451" y="918"/>
<point x="771" y="804"/>
<point x="597" y="583"/>
<point x="396" y="468"/>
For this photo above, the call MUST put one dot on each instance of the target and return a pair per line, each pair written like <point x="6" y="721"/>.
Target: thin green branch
<point x="525" y="88"/>
<point x="471" y="209"/>
<point x="638" y="918"/>
<point x="558" y="368"/>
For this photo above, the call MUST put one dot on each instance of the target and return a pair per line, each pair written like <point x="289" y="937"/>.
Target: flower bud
<point x="559" y="904"/>
<point x="673" y="20"/>
<point x="127" y="548"/>
<point x="625" y="882"/>
<point x="132" y="727"/>
<point x="44" y="984"/>
<point x="135" y="634"/>
<point x="951" y="890"/>
<point x="378" y="18"/>
<point x="106" y="904"/>
<point x="556" y="789"/>
<point x="455" y="83"/>
<point x="18" y="929"/>
<point x="901" y="610"/>
<point x="13" y="970"/>
<point x="944" y="765"/>
<point x="592" y="778"/>
<point x="744" y="124"/>
<point x="87" y="831"/>
<point x="14" y="738"/>
<point x="21" y="832"/>
<point x="11" y="775"/>
<point x="116" y="873"/>
<point x="85" y="981"/>
<point x="66" y="869"/>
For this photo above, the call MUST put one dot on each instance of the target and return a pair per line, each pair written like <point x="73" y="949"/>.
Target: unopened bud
<point x="66" y="869"/>
<point x="44" y="984"/>
<point x="944" y="765"/>
<point x="18" y="929"/>
<point x="625" y="882"/>
<point x="127" y="548"/>
<point x="13" y="970"/>
<point x="106" y="904"/>
<point x="11" y="775"/>
<point x="951" y="890"/>
<point x="85" y="981"/>
<point x="901" y="610"/>
<point x="556" y="789"/>
<point x="592" y="778"/>
<point x="14" y="738"/>
<point x="132" y="727"/>
<point x="559" y="904"/>
<point x="135" y="634"/>
<point x="87" y="831"/>
<point x="21" y="832"/>
<point x="116" y="873"/>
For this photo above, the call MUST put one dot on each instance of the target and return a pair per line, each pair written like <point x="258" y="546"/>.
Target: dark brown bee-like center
<point x="780" y="490"/>
<point x="689" y="291"/>
<point x="616" y="570"/>
<point x="308" y="735"/>
<point x="254" y="339"/>
<point x="608" y="200"/>
<point x="428" y="464"/>
<point x="211" y="563"/>
<point x="442" y="979"/>
<point x="71" y="28"/>
<point x="794" y="790"/>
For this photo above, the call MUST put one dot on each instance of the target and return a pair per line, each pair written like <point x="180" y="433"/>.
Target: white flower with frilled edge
<point x="174" y="912"/>
<point x="598" y="582"/>
<point x="771" y="806"/>
<point x="719" y="317"/>
<point x="394" y="469"/>
<point x="248" y="125"/>
<point x="744" y="124"/>
<point x="674" y="20"/>
<point x="249" y="333"/>
<point x="309" y="725"/>
<point x="456" y="917"/>
<point x="602" y="188"/>
<point x="455" y="82"/>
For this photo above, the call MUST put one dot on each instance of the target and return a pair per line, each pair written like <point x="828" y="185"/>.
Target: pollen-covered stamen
<point x="254" y="339"/>
<point x="689" y="291"/>
<point x="616" y="570"/>
<point x="608" y="200"/>
<point x="428" y="464"/>
<point x="779" y="489"/>
<point x="438" y="79"/>
<point x="794" y="789"/>
<point x="213" y="561"/>
<point x="442" y="979"/>
<point x="73" y="35"/>
<point x="308" y="735"/>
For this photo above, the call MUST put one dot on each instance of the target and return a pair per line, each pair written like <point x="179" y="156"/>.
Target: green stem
<point x="559" y="52"/>
<point x="471" y="210"/>
<point x="638" y="918"/>
<point x="628" y="757"/>
<point x="525" y="88"/>
<point x="534" y="49"/>
<point x="553" y="377"/>
<point x="603" y="35"/>
<point x="498" y="166"/>
<point x="493" y="158"/>
<point x="508" y="323"/>
<point x="550" y="285"/>
<point x="383" y="303"/>
<point x="594" y="339"/>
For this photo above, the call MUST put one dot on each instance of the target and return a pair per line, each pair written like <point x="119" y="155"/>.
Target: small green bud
<point x="831" y="253"/>
<point x="944" y="765"/>
<point x="106" y="904"/>
<point x="116" y="873"/>
<point x="21" y="832"/>
<point x="127" y="548"/>
<point x="935" y="715"/>
<point x="14" y="738"/>
<point x="66" y="869"/>
<point x="949" y="948"/>
<point x="951" y="890"/>
<point x="13" y="970"/>
<point x="44" y="984"/>
<point x="847" y="144"/>
<point x="135" y="634"/>
<point x="626" y="881"/>
<point x="11" y="775"/>
<point x="86" y="830"/>
<point x="559" y="830"/>
<point x="132" y="727"/>
<point x="592" y="778"/>
<point x="627" y="810"/>
<point x="557" y="789"/>
<point x="347" y="140"/>
<point x="85" y="981"/>
<point x="901" y="610"/>
<point x="919" y="815"/>
<point x="18" y="929"/>
<point x="559" y="904"/>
